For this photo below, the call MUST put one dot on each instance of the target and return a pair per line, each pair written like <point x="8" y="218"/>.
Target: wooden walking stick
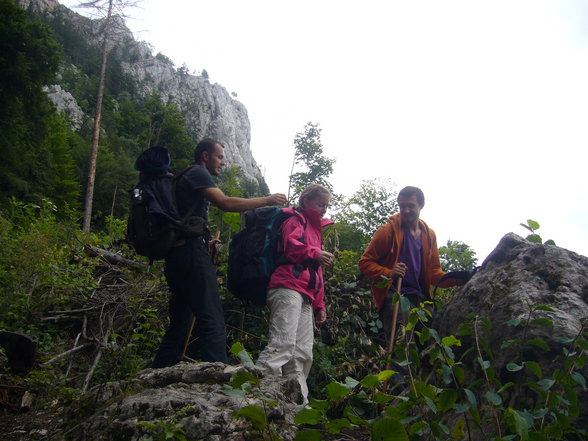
<point x="187" y="341"/>
<point x="392" y="339"/>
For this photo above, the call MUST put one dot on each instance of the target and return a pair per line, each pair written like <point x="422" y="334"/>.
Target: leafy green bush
<point x="442" y="399"/>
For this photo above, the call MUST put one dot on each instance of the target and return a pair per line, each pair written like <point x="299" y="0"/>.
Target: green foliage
<point x="456" y="393"/>
<point x="35" y="262"/>
<point x="35" y="154"/>
<point x="308" y="152"/>
<point x="347" y="342"/>
<point x="246" y="383"/>
<point x="533" y="226"/>
<point x="166" y="60"/>
<point x="363" y="213"/>
<point x="457" y="256"/>
<point x="162" y="430"/>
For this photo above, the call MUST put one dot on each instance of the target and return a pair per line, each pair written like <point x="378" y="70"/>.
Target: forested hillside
<point x="45" y="149"/>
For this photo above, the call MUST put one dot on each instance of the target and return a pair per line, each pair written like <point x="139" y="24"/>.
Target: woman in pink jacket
<point x="296" y="289"/>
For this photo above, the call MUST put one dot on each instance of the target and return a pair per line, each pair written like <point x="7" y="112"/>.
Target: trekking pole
<point x="392" y="339"/>
<point x="187" y="341"/>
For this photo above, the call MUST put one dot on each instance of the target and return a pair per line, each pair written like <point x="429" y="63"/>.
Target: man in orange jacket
<point x="403" y="247"/>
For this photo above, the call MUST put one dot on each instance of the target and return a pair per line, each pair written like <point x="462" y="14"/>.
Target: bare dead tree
<point x="110" y="9"/>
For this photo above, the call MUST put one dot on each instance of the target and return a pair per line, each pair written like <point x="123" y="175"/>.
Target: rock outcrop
<point x="514" y="278"/>
<point x="192" y="398"/>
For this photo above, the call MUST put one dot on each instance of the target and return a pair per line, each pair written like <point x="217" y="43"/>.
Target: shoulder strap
<point x="175" y="201"/>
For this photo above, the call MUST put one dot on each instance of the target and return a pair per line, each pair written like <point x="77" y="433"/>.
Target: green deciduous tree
<point x="308" y="153"/>
<point x="457" y="256"/>
<point x="364" y="212"/>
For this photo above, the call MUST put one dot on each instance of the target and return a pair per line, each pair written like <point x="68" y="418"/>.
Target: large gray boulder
<point x="193" y="397"/>
<point x="514" y="278"/>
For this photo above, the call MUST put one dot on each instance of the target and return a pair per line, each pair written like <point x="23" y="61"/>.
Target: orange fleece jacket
<point x="382" y="254"/>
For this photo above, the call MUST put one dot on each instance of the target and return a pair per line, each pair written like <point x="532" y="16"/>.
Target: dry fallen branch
<point x="66" y="353"/>
<point x="113" y="258"/>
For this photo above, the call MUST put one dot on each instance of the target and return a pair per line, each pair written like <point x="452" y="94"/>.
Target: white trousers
<point x="291" y="336"/>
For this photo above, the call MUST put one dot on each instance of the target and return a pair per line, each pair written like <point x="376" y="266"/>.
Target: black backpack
<point x="254" y="255"/>
<point x="154" y="224"/>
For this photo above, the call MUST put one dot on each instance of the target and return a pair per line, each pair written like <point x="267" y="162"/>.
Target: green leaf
<point x="471" y="398"/>
<point x="506" y="386"/>
<point x="534" y="367"/>
<point x="549" y="242"/>
<point x="450" y="341"/>
<point x="544" y="308"/>
<point x="458" y="431"/>
<point x="438" y="429"/>
<point x="256" y="414"/>
<point x="534" y="238"/>
<point x="431" y="404"/>
<point x="435" y="335"/>
<point x="382" y="398"/>
<point x="533" y="224"/>
<point x="242" y="377"/>
<point x="546" y="383"/>
<point x="425" y="389"/>
<point x="461" y="408"/>
<point x="538" y="342"/>
<point x="493" y="398"/>
<point x="449" y="352"/>
<point x="579" y="378"/>
<point x="513" y="367"/>
<point x="352" y="416"/>
<point x="232" y="392"/>
<point x="388" y="429"/>
<point x="350" y="383"/>
<point x="336" y="425"/>
<point x="447" y="399"/>
<point x="542" y="321"/>
<point x="458" y="372"/>
<point x="517" y="422"/>
<point x="418" y="428"/>
<point x="308" y="416"/>
<point x="239" y="350"/>
<point x="309" y="435"/>
<point x="319" y="404"/>
<point x="513" y="322"/>
<point x="382" y="283"/>
<point x="336" y="391"/>
<point x="484" y="363"/>
<point x="527" y="227"/>
<point x="384" y="375"/>
<point x="370" y="381"/>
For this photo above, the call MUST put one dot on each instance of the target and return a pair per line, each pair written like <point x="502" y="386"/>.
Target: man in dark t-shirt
<point x="189" y="270"/>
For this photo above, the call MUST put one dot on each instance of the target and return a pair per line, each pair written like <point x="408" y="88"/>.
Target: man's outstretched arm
<point x="233" y="204"/>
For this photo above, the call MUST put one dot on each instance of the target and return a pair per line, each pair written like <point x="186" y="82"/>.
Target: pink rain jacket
<point x="301" y="246"/>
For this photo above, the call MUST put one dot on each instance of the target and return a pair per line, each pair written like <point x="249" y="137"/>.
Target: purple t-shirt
<point x="411" y="255"/>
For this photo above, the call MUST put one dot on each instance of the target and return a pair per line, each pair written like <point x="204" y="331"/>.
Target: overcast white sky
<point x="482" y="104"/>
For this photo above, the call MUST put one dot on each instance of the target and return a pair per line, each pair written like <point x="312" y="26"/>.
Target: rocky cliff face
<point x="209" y="109"/>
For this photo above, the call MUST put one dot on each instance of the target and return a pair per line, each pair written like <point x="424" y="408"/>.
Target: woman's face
<point x="318" y="203"/>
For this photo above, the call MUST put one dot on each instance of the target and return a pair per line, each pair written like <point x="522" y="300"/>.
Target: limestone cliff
<point x="210" y="111"/>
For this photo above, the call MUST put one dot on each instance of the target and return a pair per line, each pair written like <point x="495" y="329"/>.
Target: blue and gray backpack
<point x="254" y="253"/>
